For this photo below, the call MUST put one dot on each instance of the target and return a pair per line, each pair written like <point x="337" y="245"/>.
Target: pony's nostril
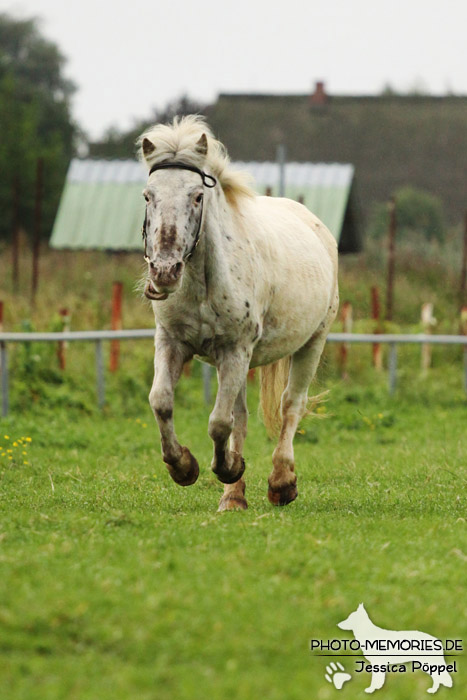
<point x="176" y="269"/>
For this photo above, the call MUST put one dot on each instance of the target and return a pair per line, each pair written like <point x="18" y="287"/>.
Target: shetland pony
<point x="240" y="281"/>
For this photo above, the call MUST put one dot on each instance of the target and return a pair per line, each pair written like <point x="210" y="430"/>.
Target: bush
<point x="417" y="212"/>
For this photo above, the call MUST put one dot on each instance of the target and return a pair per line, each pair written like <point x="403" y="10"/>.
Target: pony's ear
<point x="202" y="145"/>
<point x="148" y="147"/>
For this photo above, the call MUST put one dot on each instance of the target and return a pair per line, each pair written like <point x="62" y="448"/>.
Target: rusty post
<point x="268" y="191"/>
<point x="1" y="326"/>
<point x="463" y="284"/>
<point x="117" y="290"/>
<point x="15" y="234"/>
<point x="375" y="315"/>
<point x="346" y="319"/>
<point x="62" y="344"/>
<point x="391" y="259"/>
<point x="36" y="245"/>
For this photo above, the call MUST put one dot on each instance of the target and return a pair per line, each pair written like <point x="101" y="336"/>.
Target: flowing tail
<point x="273" y="380"/>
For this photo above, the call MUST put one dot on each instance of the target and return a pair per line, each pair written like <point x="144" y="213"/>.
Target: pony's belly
<point x="285" y="332"/>
<point x="272" y="347"/>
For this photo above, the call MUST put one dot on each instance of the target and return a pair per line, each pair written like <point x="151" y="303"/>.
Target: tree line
<point x="36" y="122"/>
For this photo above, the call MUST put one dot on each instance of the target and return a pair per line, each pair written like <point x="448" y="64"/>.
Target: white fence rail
<point x="97" y="337"/>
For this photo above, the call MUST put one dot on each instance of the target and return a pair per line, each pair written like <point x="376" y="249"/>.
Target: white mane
<point x="177" y="141"/>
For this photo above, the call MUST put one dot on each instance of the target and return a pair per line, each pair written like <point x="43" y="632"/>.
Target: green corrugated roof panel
<point x="102" y="207"/>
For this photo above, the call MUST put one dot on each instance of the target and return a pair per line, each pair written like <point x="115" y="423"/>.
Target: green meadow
<point x="117" y="583"/>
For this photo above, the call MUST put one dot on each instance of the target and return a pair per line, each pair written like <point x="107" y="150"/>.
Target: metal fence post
<point x="207" y="373"/>
<point x="4" y="370"/>
<point x="100" y="375"/>
<point x="281" y="157"/>
<point x="392" y="367"/>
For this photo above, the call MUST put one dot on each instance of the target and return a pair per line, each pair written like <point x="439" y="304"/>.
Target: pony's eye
<point x="146" y="197"/>
<point x="199" y="198"/>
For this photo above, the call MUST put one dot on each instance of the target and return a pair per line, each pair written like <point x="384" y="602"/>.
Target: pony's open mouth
<point x="151" y="292"/>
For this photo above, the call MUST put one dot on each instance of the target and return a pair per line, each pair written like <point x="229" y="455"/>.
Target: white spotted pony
<point x="240" y="281"/>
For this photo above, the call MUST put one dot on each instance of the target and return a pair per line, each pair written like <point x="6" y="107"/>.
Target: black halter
<point x="208" y="181"/>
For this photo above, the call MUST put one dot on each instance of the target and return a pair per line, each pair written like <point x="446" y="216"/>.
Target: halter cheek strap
<point x="208" y="181"/>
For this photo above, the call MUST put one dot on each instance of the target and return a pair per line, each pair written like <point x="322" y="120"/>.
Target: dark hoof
<point x="186" y="470"/>
<point x="230" y="476"/>
<point x="283" y="495"/>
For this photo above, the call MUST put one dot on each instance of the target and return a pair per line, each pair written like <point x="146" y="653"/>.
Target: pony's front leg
<point x="169" y="358"/>
<point x="228" y="465"/>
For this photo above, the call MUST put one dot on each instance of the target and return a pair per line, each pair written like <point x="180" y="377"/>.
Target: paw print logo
<point x="335" y="674"/>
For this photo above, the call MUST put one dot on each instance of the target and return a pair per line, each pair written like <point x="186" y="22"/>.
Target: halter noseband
<point x="208" y="181"/>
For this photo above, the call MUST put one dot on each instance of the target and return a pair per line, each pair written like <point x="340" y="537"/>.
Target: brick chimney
<point x="319" y="97"/>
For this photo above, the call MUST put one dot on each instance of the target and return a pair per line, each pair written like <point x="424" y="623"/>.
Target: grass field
<point x="117" y="584"/>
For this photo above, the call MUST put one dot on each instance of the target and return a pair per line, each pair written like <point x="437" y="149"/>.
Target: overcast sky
<point x="128" y="57"/>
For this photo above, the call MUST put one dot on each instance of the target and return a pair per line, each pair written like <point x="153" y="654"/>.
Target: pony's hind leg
<point x="282" y="480"/>
<point x="233" y="497"/>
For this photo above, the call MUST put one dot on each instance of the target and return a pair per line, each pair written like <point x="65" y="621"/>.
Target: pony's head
<point x="185" y="162"/>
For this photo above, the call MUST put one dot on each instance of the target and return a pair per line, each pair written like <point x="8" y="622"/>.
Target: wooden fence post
<point x="463" y="326"/>
<point x="428" y="322"/>
<point x="463" y="284"/>
<point x="15" y="235"/>
<point x="375" y="315"/>
<point x="62" y="344"/>
<point x="391" y="259"/>
<point x="463" y="331"/>
<point x="1" y="326"/>
<point x="36" y="245"/>
<point x="117" y="290"/>
<point x="347" y="320"/>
